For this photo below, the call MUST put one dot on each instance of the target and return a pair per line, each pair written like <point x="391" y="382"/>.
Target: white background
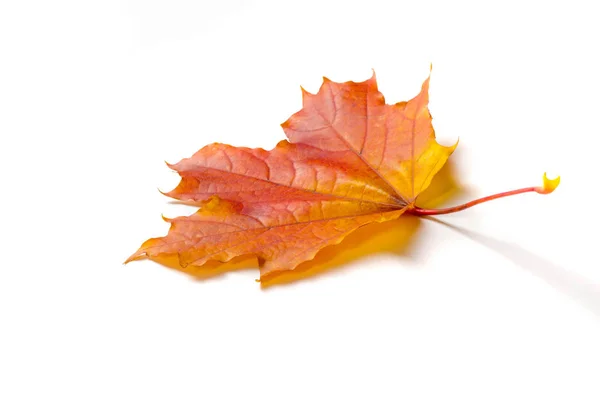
<point x="503" y="302"/>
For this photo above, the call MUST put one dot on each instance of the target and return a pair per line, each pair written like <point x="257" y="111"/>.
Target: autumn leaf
<point x="350" y="160"/>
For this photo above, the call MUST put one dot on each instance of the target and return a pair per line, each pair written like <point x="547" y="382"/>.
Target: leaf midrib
<point x="397" y="206"/>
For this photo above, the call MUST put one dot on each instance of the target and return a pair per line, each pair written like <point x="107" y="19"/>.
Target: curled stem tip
<point x="549" y="185"/>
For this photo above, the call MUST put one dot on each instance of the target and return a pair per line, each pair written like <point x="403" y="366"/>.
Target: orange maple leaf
<point x="351" y="160"/>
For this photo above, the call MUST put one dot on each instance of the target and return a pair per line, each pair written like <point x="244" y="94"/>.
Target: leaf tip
<point x="549" y="185"/>
<point x="453" y="146"/>
<point x="306" y="95"/>
<point x="139" y="254"/>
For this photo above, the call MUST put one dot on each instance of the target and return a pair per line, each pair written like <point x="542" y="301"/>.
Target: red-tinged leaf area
<point x="350" y="160"/>
<point x="397" y="142"/>
<point x="222" y="230"/>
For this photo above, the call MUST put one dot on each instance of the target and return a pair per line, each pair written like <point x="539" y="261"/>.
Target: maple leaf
<point x="351" y="160"/>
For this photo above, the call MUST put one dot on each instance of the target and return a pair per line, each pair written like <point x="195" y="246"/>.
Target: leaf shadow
<point x="570" y="284"/>
<point x="393" y="237"/>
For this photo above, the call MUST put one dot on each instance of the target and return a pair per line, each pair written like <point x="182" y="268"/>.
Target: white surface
<point x="94" y="96"/>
